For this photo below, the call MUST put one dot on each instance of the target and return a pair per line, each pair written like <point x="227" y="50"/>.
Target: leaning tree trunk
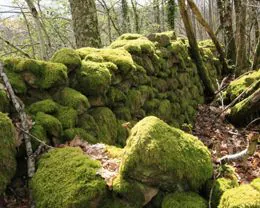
<point x="210" y="32"/>
<point x="241" y="60"/>
<point x="194" y="49"/>
<point x="171" y="10"/>
<point x="85" y="23"/>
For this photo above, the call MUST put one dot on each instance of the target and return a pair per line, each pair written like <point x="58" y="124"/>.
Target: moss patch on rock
<point x="162" y="156"/>
<point x="4" y="101"/>
<point x="46" y="106"/>
<point x="184" y="200"/>
<point x="7" y="151"/>
<point x="67" y="178"/>
<point x="243" y="196"/>
<point x="67" y="116"/>
<point x="70" y="134"/>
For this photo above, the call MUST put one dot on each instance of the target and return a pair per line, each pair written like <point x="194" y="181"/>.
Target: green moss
<point x="17" y="82"/>
<point x="88" y="123"/>
<point x="120" y="57"/>
<point x="237" y="86"/>
<point x="46" y="106"/>
<point x="7" y="151"/>
<point x="107" y="123"/>
<point x="51" y="124"/>
<point x="114" y="152"/>
<point x="70" y="134"/>
<point x="220" y="186"/>
<point x="4" y="101"/>
<point x="122" y="133"/>
<point x="184" y="200"/>
<point x="67" y="178"/>
<point x="165" y="110"/>
<point x="74" y="99"/>
<point x="67" y="116"/>
<point x="135" y="46"/>
<point x="129" y="36"/>
<point x="39" y="131"/>
<point x="134" y="100"/>
<point x="162" y="156"/>
<point x="115" y="202"/>
<point x="93" y="78"/>
<point x="164" y="39"/>
<point x="123" y="113"/>
<point x="151" y="105"/>
<point x="243" y="196"/>
<point x="114" y="96"/>
<point x="68" y="57"/>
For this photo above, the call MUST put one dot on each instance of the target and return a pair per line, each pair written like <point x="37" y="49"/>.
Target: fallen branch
<point x="255" y="120"/>
<point x="249" y="151"/>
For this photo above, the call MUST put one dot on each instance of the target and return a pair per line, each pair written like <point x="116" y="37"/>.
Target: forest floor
<point x="221" y="137"/>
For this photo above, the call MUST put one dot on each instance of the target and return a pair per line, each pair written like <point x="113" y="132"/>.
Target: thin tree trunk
<point x="37" y="21"/>
<point x="156" y="12"/>
<point x="171" y="10"/>
<point x="163" y="16"/>
<point x="85" y="23"/>
<point x="203" y="73"/>
<point x="256" y="62"/>
<point x="125" y="17"/>
<point x="136" y="16"/>
<point x="210" y="32"/>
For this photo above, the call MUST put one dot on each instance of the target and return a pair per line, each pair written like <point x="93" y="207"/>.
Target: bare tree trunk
<point x="203" y="73"/>
<point x="241" y="10"/>
<point x="125" y="17"/>
<point x="210" y="32"/>
<point x="136" y="16"/>
<point x="163" y="16"/>
<point x="171" y="10"/>
<point x="37" y="21"/>
<point x="256" y="62"/>
<point x="156" y="12"/>
<point x="85" y="23"/>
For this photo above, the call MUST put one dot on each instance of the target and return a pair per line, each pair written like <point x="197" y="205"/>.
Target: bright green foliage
<point x="107" y="123"/>
<point x="67" y="178"/>
<point x="7" y="151"/>
<point x="237" y="86"/>
<point x="4" y="101"/>
<point x="51" y="124"/>
<point x="162" y="156"/>
<point x="93" y="78"/>
<point x="67" y="116"/>
<point x="135" y="46"/>
<point x="46" y="106"/>
<point x="247" y="196"/>
<point x="120" y="57"/>
<point x="184" y="200"/>
<point x="68" y="57"/>
<point x="70" y="134"/>
<point x="74" y="99"/>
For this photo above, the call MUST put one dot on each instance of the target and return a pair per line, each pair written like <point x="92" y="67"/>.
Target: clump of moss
<point x="114" y="96"/>
<point x="184" y="200"/>
<point x="17" y="82"/>
<point x="88" y="123"/>
<point x="74" y="99"/>
<point x="67" y="116"/>
<point x="7" y="151"/>
<point x="115" y="202"/>
<point x="70" y="134"/>
<point x="40" y="132"/>
<point x="46" y="106"/>
<point x="51" y="124"/>
<point x="107" y="123"/>
<point x="134" y="100"/>
<point x="68" y="57"/>
<point x="164" y="39"/>
<point x="93" y="78"/>
<point x="123" y="113"/>
<point x="135" y="46"/>
<point x="242" y="196"/>
<point x="162" y="156"/>
<point x="4" y="101"/>
<point x="122" y="133"/>
<point x="114" y="152"/>
<point x="67" y="178"/>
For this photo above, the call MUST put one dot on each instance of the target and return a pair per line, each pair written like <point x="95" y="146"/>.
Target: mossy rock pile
<point x="134" y="77"/>
<point x="7" y="151"/>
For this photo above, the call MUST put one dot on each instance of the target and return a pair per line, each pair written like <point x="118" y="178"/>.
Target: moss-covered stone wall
<point x="91" y="92"/>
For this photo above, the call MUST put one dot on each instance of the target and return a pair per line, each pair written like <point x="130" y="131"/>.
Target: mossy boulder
<point x="7" y="151"/>
<point x="134" y="101"/>
<point x="74" y="99"/>
<point x="67" y="178"/>
<point x="70" y="134"/>
<point x="68" y="57"/>
<point x="93" y="79"/>
<point x="115" y="202"/>
<point x="164" y="39"/>
<point x="46" y="106"/>
<point x="40" y="132"/>
<point x="184" y="200"/>
<point x="107" y="123"/>
<point x="162" y="156"/>
<point x="88" y="123"/>
<point x="67" y="116"/>
<point x="243" y="196"/>
<point x="4" y="101"/>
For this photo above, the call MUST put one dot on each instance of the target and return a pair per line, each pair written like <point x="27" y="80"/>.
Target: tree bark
<point x="125" y="17"/>
<point x="171" y="12"/>
<point x="156" y="12"/>
<point x="194" y="49"/>
<point x="256" y="61"/>
<point x="210" y="32"/>
<point x="85" y="23"/>
<point x="136" y="16"/>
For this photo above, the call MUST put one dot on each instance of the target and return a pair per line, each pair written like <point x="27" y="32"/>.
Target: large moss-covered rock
<point x="164" y="39"/>
<point x="68" y="57"/>
<point x="162" y="156"/>
<point x="184" y="200"/>
<point x="107" y="123"/>
<point x="67" y="178"/>
<point x="70" y="134"/>
<point x="74" y="99"/>
<point x="247" y="196"/>
<point x="67" y="116"/>
<point x="7" y="151"/>
<point x="46" y="106"/>
<point x="93" y="78"/>
<point x="4" y="101"/>
<point x="88" y="123"/>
